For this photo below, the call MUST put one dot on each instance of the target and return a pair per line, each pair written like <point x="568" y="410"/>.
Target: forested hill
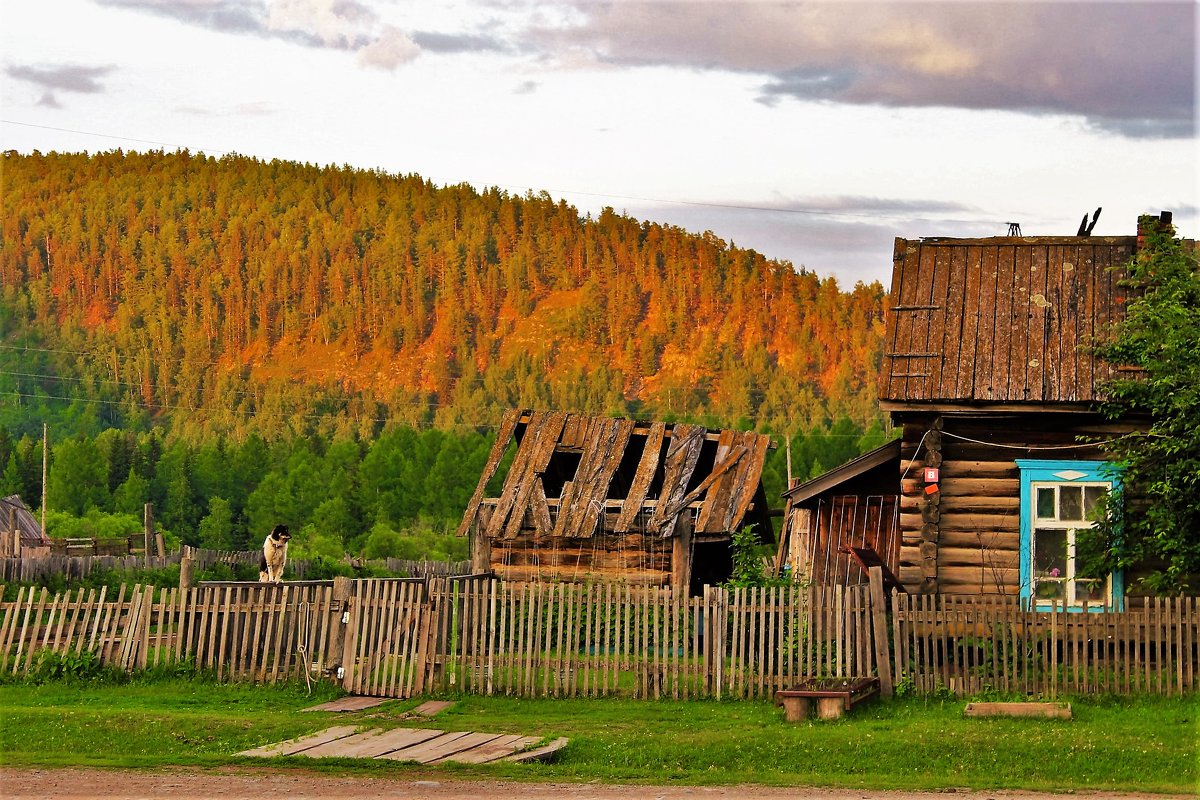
<point x="226" y="295"/>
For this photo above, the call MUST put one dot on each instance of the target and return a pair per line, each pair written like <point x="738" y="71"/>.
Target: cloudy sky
<point x="812" y="132"/>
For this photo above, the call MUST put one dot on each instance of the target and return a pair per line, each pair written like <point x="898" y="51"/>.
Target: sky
<point x="815" y="133"/>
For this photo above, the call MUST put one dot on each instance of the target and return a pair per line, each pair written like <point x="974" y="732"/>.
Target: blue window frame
<point x="1057" y="500"/>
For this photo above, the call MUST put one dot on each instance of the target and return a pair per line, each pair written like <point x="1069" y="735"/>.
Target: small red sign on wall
<point x="931" y="474"/>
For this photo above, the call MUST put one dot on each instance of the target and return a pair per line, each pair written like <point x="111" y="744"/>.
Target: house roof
<point x="1002" y="320"/>
<point x="855" y="468"/>
<point x="31" y="531"/>
<point x="618" y="476"/>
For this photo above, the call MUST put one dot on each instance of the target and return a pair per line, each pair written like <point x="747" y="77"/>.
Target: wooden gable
<point x="1005" y="321"/>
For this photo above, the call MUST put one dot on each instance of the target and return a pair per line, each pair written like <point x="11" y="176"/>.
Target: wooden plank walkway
<point x="421" y="745"/>
<point x="350" y="703"/>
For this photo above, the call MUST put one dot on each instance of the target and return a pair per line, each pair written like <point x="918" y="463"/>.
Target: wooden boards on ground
<point x="424" y="746"/>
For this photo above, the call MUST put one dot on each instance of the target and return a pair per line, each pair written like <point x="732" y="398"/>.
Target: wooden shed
<point x="834" y="522"/>
<point x="988" y="372"/>
<point x="586" y="497"/>
<point x="22" y="535"/>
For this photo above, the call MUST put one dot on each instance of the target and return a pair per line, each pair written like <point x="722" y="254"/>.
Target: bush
<point x="85" y="666"/>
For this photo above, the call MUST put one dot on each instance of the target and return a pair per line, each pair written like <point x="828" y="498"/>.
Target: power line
<point x="112" y="136"/>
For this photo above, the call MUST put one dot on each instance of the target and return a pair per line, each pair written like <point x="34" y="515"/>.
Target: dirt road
<point x="251" y="784"/>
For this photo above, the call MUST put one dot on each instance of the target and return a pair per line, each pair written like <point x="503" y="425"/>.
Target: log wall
<point x="965" y="539"/>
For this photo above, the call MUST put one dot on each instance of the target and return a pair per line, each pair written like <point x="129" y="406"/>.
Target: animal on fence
<point x="274" y="555"/>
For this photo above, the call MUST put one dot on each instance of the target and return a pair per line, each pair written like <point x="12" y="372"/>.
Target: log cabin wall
<point x="965" y="538"/>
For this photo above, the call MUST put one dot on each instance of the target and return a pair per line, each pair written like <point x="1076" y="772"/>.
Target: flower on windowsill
<point x="1054" y="573"/>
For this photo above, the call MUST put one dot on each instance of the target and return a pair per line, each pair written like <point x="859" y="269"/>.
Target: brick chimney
<point x="1148" y="223"/>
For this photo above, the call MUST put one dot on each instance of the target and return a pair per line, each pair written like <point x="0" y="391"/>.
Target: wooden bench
<point x="832" y="696"/>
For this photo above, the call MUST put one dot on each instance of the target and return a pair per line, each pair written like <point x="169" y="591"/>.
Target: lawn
<point x="1142" y="744"/>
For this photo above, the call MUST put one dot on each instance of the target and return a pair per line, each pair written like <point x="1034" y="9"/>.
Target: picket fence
<point x="404" y="637"/>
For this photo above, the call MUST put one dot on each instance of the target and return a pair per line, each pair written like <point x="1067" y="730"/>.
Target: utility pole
<point x="45" y="461"/>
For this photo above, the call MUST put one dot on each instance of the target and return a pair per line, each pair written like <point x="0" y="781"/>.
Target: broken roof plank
<point x="642" y="478"/>
<point x="613" y="443"/>
<point x="508" y="424"/>
<point x="541" y="450"/>
<point x="681" y="461"/>
<point x="518" y="473"/>
<point x="575" y="492"/>
<point x="748" y="481"/>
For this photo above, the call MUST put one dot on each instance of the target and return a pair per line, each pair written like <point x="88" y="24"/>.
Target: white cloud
<point x="392" y="48"/>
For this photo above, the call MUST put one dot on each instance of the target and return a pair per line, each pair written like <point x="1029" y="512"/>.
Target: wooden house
<point x="588" y="498"/>
<point x="988" y="373"/>
<point x="22" y="536"/>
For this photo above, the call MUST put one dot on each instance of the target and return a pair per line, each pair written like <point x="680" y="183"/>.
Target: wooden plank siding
<point x="1002" y="320"/>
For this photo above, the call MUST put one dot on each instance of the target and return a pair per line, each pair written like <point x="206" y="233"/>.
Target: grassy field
<point x="1144" y="744"/>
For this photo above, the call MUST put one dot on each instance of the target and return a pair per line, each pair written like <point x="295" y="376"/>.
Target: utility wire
<point x="113" y="136"/>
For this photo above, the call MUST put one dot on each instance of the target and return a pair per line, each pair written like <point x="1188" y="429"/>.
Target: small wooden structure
<point x="21" y="534"/>
<point x="647" y="503"/>
<point x="852" y="508"/>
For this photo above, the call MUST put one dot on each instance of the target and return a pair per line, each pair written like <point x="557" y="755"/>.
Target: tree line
<point x="400" y="494"/>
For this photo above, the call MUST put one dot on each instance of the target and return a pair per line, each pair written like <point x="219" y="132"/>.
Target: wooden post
<point x="13" y="534"/>
<point x="186" y="575"/>
<point x="160" y="545"/>
<point x="800" y="544"/>
<point x="339" y="610"/>
<point x="931" y="513"/>
<point x="481" y="546"/>
<point x="45" y="463"/>
<point x="148" y="529"/>
<point x="681" y="554"/>
<point x="883" y="656"/>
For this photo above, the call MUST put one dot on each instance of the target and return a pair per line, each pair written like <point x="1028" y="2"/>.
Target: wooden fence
<point x="402" y="637"/>
<point x="968" y="644"/>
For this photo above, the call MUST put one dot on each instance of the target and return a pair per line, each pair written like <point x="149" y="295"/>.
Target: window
<point x="1059" y="499"/>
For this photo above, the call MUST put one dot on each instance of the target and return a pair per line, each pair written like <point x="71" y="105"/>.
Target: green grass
<point x="1143" y="744"/>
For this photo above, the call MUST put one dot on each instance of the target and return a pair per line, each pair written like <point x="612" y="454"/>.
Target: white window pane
<point x="1070" y="502"/>
<point x="1045" y="502"/>
<point x="1049" y="589"/>
<point x="1050" y="553"/>
<point x="1092" y="495"/>
<point x="1091" y="590"/>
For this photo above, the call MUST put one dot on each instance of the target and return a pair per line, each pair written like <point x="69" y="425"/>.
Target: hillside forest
<point x="243" y="342"/>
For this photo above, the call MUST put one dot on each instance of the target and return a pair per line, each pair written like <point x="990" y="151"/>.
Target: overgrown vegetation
<point x="1155" y="514"/>
<point x="1129" y="745"/>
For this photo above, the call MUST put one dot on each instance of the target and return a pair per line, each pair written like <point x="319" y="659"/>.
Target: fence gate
<point x="387" y="637"/>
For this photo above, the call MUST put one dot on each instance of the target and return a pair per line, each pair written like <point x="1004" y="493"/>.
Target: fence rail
<point x="401" y="637"/>
<point x="26" y="569"/>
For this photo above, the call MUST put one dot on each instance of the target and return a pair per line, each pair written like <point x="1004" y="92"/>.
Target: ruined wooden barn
<point x="988" y="372"/>
<point x="596" y="498"/>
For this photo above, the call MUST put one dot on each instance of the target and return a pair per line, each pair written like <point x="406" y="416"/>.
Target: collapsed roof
<point x="574" y="476"/>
